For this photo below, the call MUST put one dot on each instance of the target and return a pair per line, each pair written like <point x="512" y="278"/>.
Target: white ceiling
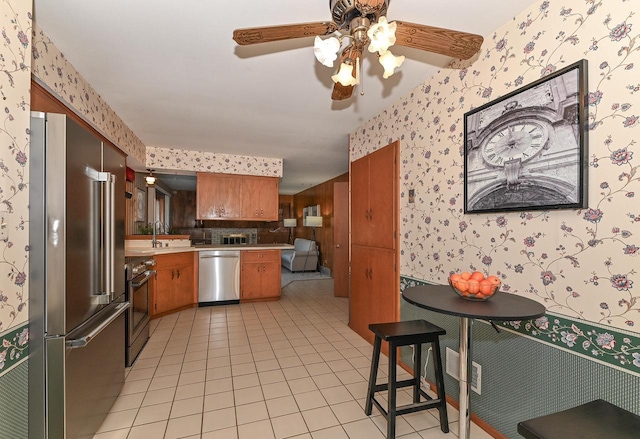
<point x="173" y="74"/>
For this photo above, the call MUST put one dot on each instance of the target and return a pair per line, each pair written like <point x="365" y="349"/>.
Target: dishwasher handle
<point x="218" y="256"/>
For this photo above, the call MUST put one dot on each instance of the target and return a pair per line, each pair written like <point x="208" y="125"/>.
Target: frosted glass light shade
<point x="290" y="222"/>
<point x="326" y="51"/>
<point x="382" y="35"/>
<point x="313" y="221"/>
<point x="390" y="63"/>
<point x="345" y="75"/>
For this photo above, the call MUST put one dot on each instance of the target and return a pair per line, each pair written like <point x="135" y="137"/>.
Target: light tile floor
<point x="285" y="369"/>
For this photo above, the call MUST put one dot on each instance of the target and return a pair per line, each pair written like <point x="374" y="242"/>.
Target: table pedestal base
<point x="465" y="374"/>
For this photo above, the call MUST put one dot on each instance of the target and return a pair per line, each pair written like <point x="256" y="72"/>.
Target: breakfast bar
<point x="501" y="307"/>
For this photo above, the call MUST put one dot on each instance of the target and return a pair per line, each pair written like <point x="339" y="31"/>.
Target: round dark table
<point x="500" y="307"/>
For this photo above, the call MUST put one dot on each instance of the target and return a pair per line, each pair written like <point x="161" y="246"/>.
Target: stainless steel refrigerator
<point x="77" y="279"/>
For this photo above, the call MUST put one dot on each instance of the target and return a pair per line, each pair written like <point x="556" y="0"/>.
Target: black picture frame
<point x="527" y="150"/>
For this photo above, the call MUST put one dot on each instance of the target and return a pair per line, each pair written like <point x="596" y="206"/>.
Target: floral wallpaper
<point x="58" y="75"/>
<point x="581" y="264"/>
<point x="15" y="77"/>
<point x="181" y="160"/>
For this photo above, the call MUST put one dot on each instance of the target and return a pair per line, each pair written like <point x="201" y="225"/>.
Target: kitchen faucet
<point x="154" y="242"/>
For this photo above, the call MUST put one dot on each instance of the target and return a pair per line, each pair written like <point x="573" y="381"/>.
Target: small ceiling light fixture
<point x="326" y="51"/>
<point x="390" y="62"/>
<point x="345" y="73"/>
<point x="150" y="179"/>
<point x="382" y="35"/>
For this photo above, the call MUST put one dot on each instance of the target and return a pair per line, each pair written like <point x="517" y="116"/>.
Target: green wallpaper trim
<point x="15" y="347"/>
<point x="610" y="346"/>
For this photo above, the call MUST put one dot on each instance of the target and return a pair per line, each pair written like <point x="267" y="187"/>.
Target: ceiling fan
<point x="364" y="22"/>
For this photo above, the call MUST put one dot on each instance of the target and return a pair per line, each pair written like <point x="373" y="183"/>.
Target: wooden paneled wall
<point x="321" y="194"/>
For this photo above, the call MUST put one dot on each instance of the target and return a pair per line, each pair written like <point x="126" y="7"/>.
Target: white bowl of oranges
<point x="474" y="286"/>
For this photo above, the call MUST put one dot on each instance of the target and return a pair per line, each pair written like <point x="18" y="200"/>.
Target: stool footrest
<point x="399" y="384"/>
<point x="409" y="408"/>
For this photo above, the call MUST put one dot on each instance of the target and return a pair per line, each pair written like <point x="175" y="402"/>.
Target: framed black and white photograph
<point x="527" y="150"/>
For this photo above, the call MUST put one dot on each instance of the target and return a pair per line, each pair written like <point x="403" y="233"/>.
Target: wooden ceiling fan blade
<point x="255" y="35"/>
<point x="341" y="92"/>
<point x="438" y="40"/>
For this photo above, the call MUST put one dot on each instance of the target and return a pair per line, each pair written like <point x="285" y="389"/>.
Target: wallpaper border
<point x="15" y="347"/>
<point x="606" y="345"/>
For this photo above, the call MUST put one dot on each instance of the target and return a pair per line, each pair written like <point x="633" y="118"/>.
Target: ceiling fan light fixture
<point x="326" y="51"/>
<point x="390" y="62"/>
<point x="150" y="179"/>
<point x="382" y="35"/>
<point x="345" y="74"/>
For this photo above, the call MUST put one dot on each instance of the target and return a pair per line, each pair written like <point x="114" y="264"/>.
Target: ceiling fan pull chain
<point x="360" y="78"/>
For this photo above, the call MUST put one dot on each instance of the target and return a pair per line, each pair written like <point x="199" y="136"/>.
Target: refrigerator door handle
<point x="108" y="237"/>
<point x="81" y="342"/>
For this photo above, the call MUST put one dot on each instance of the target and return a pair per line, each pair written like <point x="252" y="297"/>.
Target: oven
<point x="139" y="272"/>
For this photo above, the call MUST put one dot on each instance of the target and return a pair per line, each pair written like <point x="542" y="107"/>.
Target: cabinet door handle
<point x="178" y="274"/>
<point x="371" y="273"/>
<point x="172" y="274"/>
<point x="261" y="212"/>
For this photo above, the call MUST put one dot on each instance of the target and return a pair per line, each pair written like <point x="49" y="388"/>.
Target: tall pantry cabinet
<point x="375" y="281"/>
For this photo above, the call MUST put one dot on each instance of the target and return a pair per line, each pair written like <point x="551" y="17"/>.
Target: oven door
<point x="138" y="318"/>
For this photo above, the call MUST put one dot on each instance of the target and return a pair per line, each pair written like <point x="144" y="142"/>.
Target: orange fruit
<point x="462" y="285"/>
<point x="486" y="287"/>
<point x="465" y="275"/>
<point x="454" y="277"/>
<point x="480" y="296"/>
<point x="494" y="280"/>
<point x="477" y="275"/>
<point x="474" y="286"/>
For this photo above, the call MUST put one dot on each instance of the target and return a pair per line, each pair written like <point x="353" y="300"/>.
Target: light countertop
<point x="142" y="251"/>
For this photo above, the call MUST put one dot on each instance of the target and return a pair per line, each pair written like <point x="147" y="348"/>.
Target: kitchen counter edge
<point x="199" y="248"/>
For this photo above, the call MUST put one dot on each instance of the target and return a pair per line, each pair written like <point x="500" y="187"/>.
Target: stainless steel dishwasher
<point x="219" y="277"/>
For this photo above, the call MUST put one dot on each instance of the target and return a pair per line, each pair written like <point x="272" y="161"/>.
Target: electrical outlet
<point x="4" y="233"/>
<point x="452" y="368"/>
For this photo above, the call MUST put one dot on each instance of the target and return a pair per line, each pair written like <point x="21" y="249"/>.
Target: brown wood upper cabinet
<point x="374" y="185"/>
<point x="237" y="197"/>
<point x="260" y="198"/>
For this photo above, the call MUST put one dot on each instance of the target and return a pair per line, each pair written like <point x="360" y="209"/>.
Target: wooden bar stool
<point x="414" y="332"/>
<point x="597" y="419"/>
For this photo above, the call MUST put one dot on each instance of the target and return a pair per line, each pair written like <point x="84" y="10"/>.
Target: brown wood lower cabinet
<point x="260" y="274"/>
<point x="374" y="289"/>
<point x="174" y="285"/>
